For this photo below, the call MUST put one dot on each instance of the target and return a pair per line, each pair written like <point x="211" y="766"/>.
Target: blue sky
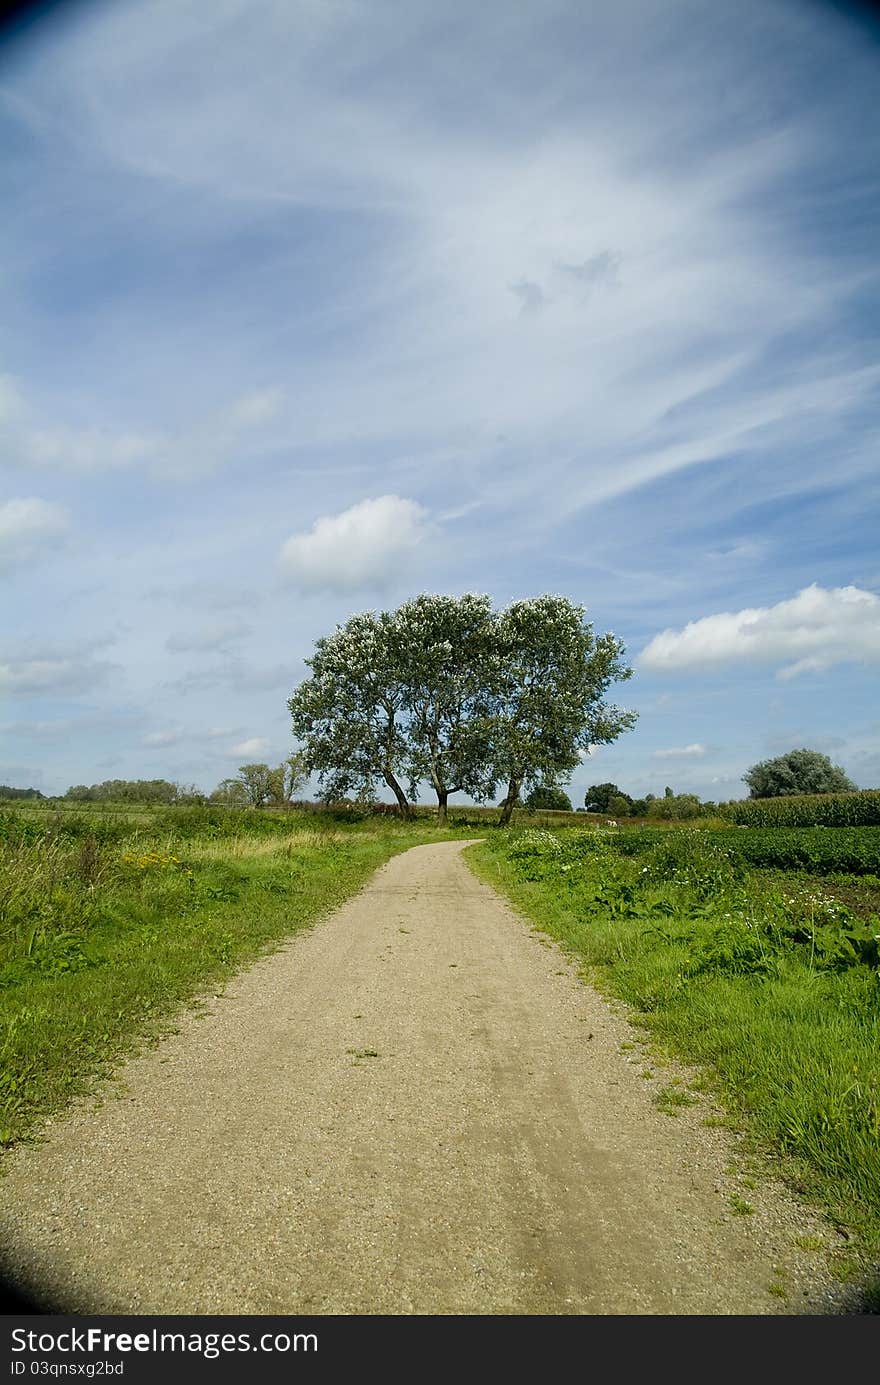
<point x="309" y="307"/>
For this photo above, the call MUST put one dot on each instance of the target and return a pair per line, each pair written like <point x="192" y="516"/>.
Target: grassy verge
<point x="772" y="990"/>
<point x="103" y="940"/>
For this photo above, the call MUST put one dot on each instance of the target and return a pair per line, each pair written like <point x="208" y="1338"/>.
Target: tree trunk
<point x="509" y="803"/>
<point x="442" y="796"/>
<point x="402" y="800"/>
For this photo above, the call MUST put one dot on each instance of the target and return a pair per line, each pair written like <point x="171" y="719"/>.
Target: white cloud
<point x="208" y="640"/>
<point x="163" y="738"/>
<point x="19" y="677"/>
<point x="87" y="449"/>
<point x="251" y="410"/>
<point x="28" y="528"/>
<point x="361" y="547"/>
<point x="198" y="443"/>
<point x="256" y="745"/>
<point x="813" y="631"/>
<point x="679" y="751"/>
<point x="236" y="675"/>
<point x="178" y="735"/>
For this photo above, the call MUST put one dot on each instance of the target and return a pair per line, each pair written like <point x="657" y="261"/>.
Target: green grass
<point x="103" y="941"/>
<point x="757" y="986"/>
<point x="671" y="1099"/>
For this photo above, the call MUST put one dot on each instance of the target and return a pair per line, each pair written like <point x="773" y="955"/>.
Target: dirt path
<point x="414" y="1108"/>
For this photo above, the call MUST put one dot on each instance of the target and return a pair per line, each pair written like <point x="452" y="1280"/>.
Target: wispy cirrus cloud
<point x="53" y="675"/>
<point x="590" y="288"/>
<point x="36" y="439"/>
<point x="234" y="675"/>
<point x="182" y="735"/>
<point x="29" y="529"/>
<point x="209" y="640"/>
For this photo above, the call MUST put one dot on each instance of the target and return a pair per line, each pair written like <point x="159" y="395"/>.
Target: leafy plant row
<point x="817" y="850"/>
<point x="692" y="883"/>
<point x="808" y="810"/>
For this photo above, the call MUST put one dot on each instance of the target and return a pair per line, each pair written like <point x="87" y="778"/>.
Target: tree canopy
<point x="548" y="796"/>
<point x="598" y="797"/>
<point x="444" y="689"/>
<point x="799" y="771"/>
<point x="259" y="784"/>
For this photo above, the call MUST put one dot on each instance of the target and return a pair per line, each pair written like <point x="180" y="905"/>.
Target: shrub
<point x="800" y="771"/>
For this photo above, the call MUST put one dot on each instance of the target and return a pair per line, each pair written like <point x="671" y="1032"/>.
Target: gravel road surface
<point x="415" y="1107"/>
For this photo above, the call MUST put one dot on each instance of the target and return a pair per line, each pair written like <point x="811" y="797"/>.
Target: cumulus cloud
<point x="255" y="745"/>
<point x="361" y="547"/>
<point x="816" y="629"/>
<point x="28" y="528"/>
<point x="680" y="751"/>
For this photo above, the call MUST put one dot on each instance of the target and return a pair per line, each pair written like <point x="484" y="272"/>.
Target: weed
<point x="672" y="1098"/>
<point x="740" y="1206"/>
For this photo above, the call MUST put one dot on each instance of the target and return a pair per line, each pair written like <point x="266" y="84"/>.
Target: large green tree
<point x="799" y="771"/>
<point x="447" y="691"/>
<point x="598" y="797"/>
<point x="286" y="779"/>
<point x="230" y="793"/>
<point x="448" y="653"/>
<point x="553" y="673"/>
<point x="350" y="714"/>
<point x="256" y="780"/>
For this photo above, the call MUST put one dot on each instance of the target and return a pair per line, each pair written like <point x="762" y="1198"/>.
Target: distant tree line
<point x="6" y="791"/>
<point x="608" y="798"/>
<point x="255" y="786"/>
<point x="797" y="772"/>
<point x="135" y="791"/>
